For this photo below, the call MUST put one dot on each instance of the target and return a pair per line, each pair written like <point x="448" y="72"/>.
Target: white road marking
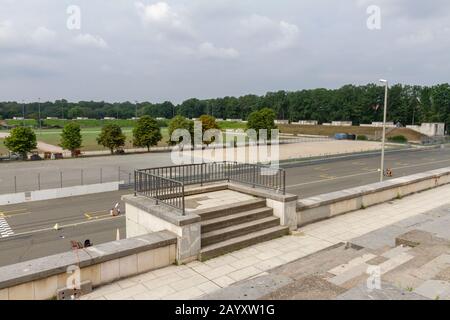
<point x="363" y="173"/>
<point x="5" y="229"/>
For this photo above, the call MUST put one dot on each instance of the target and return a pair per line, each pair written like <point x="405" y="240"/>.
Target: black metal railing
<point x="166" y="184"/>
<point x="167" y="191"/>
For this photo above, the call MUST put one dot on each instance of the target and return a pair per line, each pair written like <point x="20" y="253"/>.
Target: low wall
<point x="143" y="216"/>
<point x="332" y="204"/>
<point x="41" y="278"/>
<point x="21" y="197"/>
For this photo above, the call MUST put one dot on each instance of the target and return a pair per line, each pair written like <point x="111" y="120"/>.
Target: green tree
<point x="111" y="137"/>
<point x="208" y="123"/>
<point x="262" y="119"/>
<point x="71" y="137"/>
<point x="21" y="140"/>
<point x="146" y="133"/>
<point x="180" y="122"/>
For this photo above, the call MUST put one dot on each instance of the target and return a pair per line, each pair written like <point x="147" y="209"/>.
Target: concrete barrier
<point x="336" y="203"/>
<point x="42" y="278"/>
<point x="21" y="197"/>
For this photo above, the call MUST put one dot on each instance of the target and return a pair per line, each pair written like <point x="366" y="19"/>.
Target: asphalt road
<point x="87" y="217"/>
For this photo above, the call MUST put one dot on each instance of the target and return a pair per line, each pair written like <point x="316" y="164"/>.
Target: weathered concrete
<point x="340" y="202"/>
<point x="41" y="278"/>
<point x="145" y="216"/>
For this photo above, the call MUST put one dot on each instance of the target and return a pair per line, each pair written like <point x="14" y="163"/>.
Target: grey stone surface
<point x="52" y="265"/>
<point x="263" y="193"/>
<point x="189" y="244"/>
<point x="434" y="289"/>
<point x="356" y="192"/>
<point x="161" y="211"/>
<point x="387" y="292"/>
<point x="252" y="289"/>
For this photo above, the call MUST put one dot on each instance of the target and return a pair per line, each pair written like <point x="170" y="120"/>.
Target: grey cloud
<point x="179" y="49"/>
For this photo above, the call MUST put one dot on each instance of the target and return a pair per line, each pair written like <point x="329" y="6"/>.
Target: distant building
<point x="109" y="118"/>
<point x="52" y="118"/>
<point x="159" y="118"/>
<point x="342" y="123"/>
<point x="378" y="124"/>
<point x="18" y="118"/>
<point x="307" y="122"/>
<point x="281" y="121"/>
<point x="234" y="120"/>
<point x="82" y="118"/>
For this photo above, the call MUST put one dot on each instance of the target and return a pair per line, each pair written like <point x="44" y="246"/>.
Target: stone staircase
<point x="226" y="229"/>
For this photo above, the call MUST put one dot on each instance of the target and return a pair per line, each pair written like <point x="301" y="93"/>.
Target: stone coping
<point x="333" y="197"/>
<point x="263" y="193"/>
<point x="162" y="211"/>
<point x="243" y="188"/>
<point x="175" y="217"/>
<point x="41" y="268"/>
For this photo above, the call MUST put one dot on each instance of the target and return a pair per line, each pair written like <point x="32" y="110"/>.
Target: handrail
<point x="166" y="184"/>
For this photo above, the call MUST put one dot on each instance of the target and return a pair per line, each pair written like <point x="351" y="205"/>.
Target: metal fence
<point x="168" y="191"/>
<point x="48" y="178"/>
<point x="166" y="184"/>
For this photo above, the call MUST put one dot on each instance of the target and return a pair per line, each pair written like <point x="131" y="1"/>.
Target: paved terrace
<point x="318" y="255"/>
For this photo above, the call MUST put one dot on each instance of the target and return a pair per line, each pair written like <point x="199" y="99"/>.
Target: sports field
<point x="89" y="136"/>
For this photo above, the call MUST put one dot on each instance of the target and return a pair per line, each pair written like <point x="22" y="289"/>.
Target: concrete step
<point x="211" y="213"/>
<point x="234" y="231"/>
<point x="237" y="243"/>
<point x="233" y="219"/>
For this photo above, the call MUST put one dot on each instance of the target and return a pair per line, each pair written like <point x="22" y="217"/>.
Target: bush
<point x="398" y="139"/>
<point x="362" y="137"/>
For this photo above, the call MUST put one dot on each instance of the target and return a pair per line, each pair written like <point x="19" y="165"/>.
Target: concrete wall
<point x="429" y="129"/>
<point x="143" y="216"/>
<point x="41" y="278"/>
<point x="336" y="203"/>
<point x="21" y="197"/>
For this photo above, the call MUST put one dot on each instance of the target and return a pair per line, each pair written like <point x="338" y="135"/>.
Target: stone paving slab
<point x="308" y="252"/>
<point x="387" y="292"/>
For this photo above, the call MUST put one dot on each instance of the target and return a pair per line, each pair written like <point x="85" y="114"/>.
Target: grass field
<point x="52" y="136"/>
<point x="232" y="125"/>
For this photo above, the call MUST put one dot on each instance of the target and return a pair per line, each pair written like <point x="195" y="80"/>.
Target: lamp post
<point x="383" y="141"/>
<point x="39" y="115"/>
<point x="135" y="111"/>
<point x="23" y="112"/>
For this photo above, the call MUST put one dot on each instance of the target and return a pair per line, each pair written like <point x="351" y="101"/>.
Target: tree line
<point x="408" y="104"/>
<point x="146" y="133"/>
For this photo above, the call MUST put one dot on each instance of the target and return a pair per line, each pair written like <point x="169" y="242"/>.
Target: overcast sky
<point x="174" y="50"/>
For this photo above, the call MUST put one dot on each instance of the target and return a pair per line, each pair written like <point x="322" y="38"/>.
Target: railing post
<point x="284" y="182"/>
<point x="201" y="173"/>
<point x="254" y="176"/>
<point x="182" y="199"/>
<point x="39" y="181"/>
<point x="135" y="182"/>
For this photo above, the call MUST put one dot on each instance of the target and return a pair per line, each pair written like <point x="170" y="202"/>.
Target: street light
<point x="39" y="112"/>
<point x="23" y="112"/>
<point x="386" y="85"/>
<point x="136" y="107"/>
